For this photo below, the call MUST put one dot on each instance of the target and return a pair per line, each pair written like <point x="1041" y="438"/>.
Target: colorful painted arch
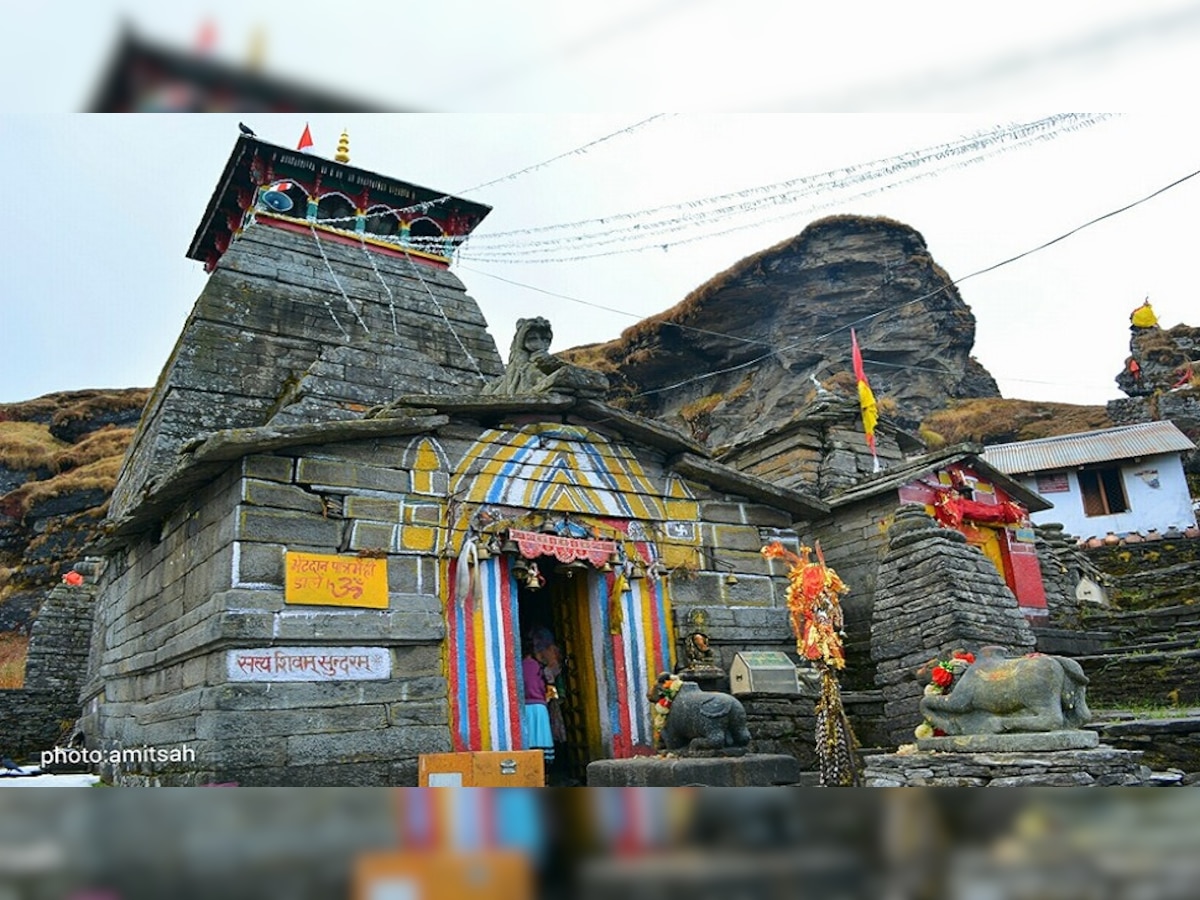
<point x="563" y="468"/>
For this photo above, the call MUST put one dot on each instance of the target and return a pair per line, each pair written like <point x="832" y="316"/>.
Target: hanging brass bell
<point x="533" y="578"/>
<point x="571" y="568"/>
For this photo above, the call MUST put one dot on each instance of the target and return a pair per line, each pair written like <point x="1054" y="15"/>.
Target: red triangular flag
<point x="306" y="140"/>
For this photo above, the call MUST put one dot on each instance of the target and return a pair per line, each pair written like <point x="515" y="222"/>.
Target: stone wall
<point x="43" y="712"/>
<point x="1064" y="565"/>
<point x="1172" y="742"/>
<point x="853" y="542"/>
<point x="211" y="579"/>
<point x="275" y="337"/>
<point x="1099" y="767"/>
<point x="824" y="450"/>
<point x="35" y="719"/>
<point x="785" y="723"/>
<point x="1163" y="678"/>
<point x="740" y="596"/>
<point x="1151" y="573"/>
<point x="934" y="594"/>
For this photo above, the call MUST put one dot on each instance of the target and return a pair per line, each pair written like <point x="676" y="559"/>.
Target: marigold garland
<point x="942" y="675"/>
<point x="661" y="708"/>
<point x="813" y="605"/>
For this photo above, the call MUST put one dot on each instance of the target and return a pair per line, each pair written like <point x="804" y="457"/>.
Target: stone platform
<point x="1094" y="766"/>
<point x="750" y="770"/>
<point x="1034" y="742"/>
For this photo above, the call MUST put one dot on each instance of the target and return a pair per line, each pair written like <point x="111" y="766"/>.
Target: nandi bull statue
<point x="685" y="718"/>
<point x="996" y="694"/>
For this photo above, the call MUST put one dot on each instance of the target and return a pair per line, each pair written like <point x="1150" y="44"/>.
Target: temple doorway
<point x="558" y="611"/>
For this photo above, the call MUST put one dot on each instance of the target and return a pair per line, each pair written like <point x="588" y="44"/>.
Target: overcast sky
<point x="101" y="209"/>
<point x="96" y="286"/>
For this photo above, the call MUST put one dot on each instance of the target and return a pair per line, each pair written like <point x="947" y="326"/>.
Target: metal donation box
<point x="763" y="670"/>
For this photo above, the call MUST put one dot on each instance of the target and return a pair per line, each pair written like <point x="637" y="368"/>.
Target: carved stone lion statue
<point x="702" y="720"/>
<point x="997" y="694"/>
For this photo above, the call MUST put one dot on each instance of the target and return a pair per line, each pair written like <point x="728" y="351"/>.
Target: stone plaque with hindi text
<point x="309" y="664"/>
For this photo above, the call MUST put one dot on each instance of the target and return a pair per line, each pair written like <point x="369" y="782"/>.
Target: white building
<point x="1121" y="479"/>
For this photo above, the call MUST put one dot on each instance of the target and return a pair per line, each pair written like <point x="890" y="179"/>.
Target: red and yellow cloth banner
<point x="866" y="399"/>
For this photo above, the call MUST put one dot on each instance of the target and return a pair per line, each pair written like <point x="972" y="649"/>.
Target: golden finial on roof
<point x="343" y="150"/>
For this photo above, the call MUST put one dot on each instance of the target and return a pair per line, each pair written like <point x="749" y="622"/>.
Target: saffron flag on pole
<point x="306" y="140"/>
<point x="866" y="399"/>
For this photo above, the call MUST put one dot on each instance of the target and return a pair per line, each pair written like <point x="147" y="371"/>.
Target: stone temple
<point x="341" y="515"/>
<point x="288" y="589"/>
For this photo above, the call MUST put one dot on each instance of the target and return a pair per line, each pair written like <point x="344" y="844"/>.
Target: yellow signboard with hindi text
<point x="320" y="579"/>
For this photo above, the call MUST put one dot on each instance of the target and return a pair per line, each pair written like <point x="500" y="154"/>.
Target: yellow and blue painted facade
<point x="552" y="468"/>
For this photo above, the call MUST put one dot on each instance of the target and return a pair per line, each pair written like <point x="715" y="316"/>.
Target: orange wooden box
<point x="482" y="768"/>
<point x="440" y="875"/>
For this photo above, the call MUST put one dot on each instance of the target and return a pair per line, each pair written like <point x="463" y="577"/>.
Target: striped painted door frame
<point x="483" y="651"/>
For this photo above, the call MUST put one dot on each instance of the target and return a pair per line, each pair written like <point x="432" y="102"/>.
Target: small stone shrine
<point x="998" y="720"/>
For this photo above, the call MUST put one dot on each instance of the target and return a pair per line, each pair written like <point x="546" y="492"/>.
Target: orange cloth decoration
<point x="813" y="606"/>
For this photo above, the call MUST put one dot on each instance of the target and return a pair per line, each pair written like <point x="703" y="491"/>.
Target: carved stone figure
<point x="701" y="720"/>
<point x="700" y="655"/>
<point x="996" y="695"/>
<point x="532" y="369"/>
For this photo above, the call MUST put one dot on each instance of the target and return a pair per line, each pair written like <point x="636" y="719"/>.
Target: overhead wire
<point x="426" y="205"/>
<point x="629" y="129"/>
<point x="953" y="283"/>
<point x="941" y="150"/>
<point x="694" y="215"/>
<point x="842" y="328"/>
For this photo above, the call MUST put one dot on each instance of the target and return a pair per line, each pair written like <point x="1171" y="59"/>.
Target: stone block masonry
<point x="272" y="339"/>
<point x="1099" y="767"/>
<point x="934" y="593"/>
<point x="43" y="712"/>
<point x="210" y="581"/>
<point x="853" y="542"/>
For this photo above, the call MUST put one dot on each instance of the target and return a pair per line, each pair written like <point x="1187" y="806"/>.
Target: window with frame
<point x="1103" y="491"/>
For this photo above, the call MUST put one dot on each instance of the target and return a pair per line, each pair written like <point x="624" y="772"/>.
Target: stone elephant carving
<point x="997" y="694"/>
<point x="702" y="720"/>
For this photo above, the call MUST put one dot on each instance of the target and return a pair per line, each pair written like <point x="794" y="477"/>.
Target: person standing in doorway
<point x="535" y="717"/>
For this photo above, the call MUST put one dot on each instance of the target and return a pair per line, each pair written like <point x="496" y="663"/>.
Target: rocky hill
<point x="781" y="317"/>
<point x="59" y="458"/>
<point x="993" y="420"/>
<point x="1162" y="380"/>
